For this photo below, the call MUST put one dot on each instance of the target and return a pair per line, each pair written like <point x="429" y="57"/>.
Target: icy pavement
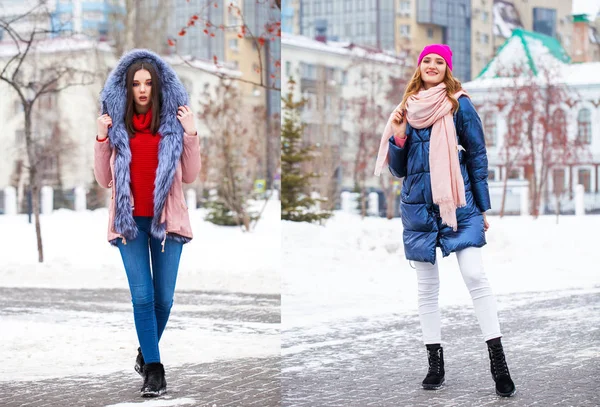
<point x="551" y="341"/>
<point x="71" y="348"/>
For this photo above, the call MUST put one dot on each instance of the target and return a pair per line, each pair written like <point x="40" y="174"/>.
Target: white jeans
<point x="471" y="268"/>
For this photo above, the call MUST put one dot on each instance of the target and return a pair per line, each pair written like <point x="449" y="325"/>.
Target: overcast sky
<point x="586" y="6"/>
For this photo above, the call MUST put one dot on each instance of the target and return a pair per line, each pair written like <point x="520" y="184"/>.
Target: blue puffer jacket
<point x="423" y="229"/>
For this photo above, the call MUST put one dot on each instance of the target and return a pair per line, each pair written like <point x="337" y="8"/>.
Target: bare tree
<point x="537" y="135"/>
<point x="267" y="60"/>
<point x="379" y="93"/>
<point x="31" y="81"/>
<point x="233" y="149"/>
<point x="137" y="24"/>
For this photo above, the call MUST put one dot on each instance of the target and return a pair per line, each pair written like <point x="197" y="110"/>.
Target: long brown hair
<point x="154" y="97"/>
<point x="415" y="84"/>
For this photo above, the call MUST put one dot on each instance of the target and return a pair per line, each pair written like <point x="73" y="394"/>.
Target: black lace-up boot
<point x="435" y="376"/>
<point x="155" y="383"/>
<point x="504" y="384"/>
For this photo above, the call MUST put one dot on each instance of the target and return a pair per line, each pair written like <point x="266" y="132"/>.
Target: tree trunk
<point x="34" y="181"/>
<point x="504" y="187"/>
<point x="557" y="207"/>
<point x="363" y="197"/>
<point x="390" y="204"/>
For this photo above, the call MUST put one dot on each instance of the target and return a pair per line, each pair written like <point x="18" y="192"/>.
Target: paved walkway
<point x="552" y="344"/>
<point x="236" y="382"/>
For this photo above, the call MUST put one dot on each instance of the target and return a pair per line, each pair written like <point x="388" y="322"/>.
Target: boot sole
<point x="434" y="386"/>
<point x="148" y="394"/>
<point x="512" y="393"/>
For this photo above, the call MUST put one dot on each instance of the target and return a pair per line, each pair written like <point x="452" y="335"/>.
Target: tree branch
<point x="223" y="76"/>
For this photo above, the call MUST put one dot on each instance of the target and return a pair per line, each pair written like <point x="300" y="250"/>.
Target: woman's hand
<point x="486" y="224"/>
<point x="397" y="127"/>
<point x="103" y="122"/>
<point x="186" y="117"/>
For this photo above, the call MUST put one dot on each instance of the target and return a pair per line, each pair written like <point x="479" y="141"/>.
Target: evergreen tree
<point x="296" y="203"/>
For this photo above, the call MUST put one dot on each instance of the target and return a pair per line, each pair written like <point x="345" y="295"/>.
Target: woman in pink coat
<point x="147" y="147"/>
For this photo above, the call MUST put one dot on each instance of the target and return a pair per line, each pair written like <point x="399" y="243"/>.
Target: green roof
<point x="551" y="43"/>
<point x="578" y="18"/>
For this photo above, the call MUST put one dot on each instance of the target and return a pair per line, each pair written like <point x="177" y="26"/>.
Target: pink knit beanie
<point x="442" y="50"/>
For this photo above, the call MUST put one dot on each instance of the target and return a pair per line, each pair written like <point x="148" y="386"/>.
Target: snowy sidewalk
<point x="75" y="347"/>
<point x="551" y="341"/>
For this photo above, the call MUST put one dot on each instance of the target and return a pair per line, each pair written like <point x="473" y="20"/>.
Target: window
<point x="404" y="7"/>
<point x="317" y="7"/>
<point x="348" y="29"/>
<point x="430" y="33"/>
<point x="559" y="127"/>
<point x="329" y="7"/>
<point x="558" y="181"/>
<point x="584" y="177"/>
<point x="404" y="30"/>
<point x="489" y="127"/>
<point x="544" y="21"/>
<point x="288" y="68"/>
<point x="491" y="175"/>
<point x="330" y="73"/>
<point x="584" y="126"/>
<point x="484" y="38"/>
<point x="327" y="102"/>
<point x="514" y="173"/>
<point x="233" y="45"/>
<point x="360" y="28"/>
<point x="348" y="5"/>
<point x="308" y="71"/>
<point x="344" y="77"/>
<point x="485" y="16"/>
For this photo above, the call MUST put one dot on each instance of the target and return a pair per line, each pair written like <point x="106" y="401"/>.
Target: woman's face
<point x="433" y="70"/>
<point x="142" y="88"/>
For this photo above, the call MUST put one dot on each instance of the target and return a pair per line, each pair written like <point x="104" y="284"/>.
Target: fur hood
<point x="113" y="102"/>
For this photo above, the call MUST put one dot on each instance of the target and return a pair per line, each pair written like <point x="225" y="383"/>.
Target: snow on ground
<point x="158" y="403"/>
<point x="353" y="268"/>
<point x="77" y="254"/>
<point x="96" y="338"/>
<point x="58" y="343"/>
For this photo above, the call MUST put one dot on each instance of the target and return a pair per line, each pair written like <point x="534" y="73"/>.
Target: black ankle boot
<point x="155" y="383"/>
<point x="139" y="363"/>
<point x="504" y="384"/>
<point x="435" y="376"/>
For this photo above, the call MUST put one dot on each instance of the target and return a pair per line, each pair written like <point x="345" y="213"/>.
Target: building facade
<point x="582" y="116"/>
<point x="369" y="23"/>
<point x="53" y="120"/>
<point x="333" y="78"/>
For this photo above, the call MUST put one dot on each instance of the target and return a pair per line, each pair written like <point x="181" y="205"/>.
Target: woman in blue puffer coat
<point x="434" y="140"/>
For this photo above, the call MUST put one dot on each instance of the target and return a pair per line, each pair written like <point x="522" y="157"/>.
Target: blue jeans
<point x="151" y="291"/>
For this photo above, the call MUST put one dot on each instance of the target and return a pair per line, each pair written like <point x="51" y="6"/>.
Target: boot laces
<point x="435" y="361"/>
<point x="498" y="360"/>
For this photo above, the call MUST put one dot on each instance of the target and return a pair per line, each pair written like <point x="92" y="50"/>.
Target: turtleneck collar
<point x="141" y="122"/>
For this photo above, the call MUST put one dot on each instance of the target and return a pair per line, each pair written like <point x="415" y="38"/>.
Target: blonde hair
<point x="415" y="84"/>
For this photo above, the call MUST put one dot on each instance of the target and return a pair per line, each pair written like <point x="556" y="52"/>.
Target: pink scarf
<point x="431" y="107"/>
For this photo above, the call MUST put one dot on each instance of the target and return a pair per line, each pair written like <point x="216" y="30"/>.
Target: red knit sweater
<point x="144" y="162"/>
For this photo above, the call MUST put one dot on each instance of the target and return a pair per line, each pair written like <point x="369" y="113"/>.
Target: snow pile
<point x="77" y="254"/>
<point x="355" y="268"/>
